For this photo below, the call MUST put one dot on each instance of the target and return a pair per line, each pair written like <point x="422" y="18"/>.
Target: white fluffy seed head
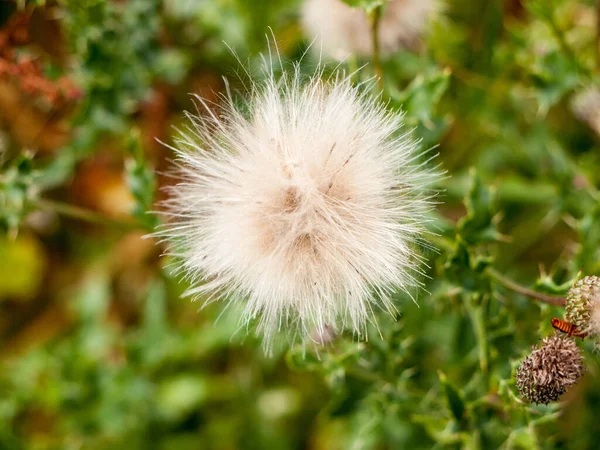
<point x="343" y="30"/>
<point x="304" y="209"/>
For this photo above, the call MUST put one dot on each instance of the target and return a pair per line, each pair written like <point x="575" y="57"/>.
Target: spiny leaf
<point x="453" y="397"/>
<point x="477" y="225"/>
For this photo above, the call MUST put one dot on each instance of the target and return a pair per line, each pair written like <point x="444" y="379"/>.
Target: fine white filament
<point x="303" y="207"/>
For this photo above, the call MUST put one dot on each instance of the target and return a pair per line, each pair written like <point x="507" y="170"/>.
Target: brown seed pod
<point x="551" y="369"/>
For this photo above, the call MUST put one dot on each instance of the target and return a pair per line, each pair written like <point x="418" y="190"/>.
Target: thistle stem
<point x="526" y="292"/>
<point x="476" y="314"/>
<point x="353" y="67"/>
<point x="83" y="214"/>
<point x="374" y="17"/>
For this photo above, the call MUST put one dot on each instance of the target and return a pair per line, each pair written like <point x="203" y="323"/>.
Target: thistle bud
<point x="550" y="370"/>
<point x="583" y="301"/>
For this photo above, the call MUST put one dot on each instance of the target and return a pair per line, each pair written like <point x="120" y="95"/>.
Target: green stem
<point x="353" y="67"/>
<point x="374" y="18"/>
<point x="83" y="214"/>
<point x="477" y="318"/>
<point x="526" y="292"/>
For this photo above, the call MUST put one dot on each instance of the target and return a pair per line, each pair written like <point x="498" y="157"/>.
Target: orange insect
<point x="567" y="327"/>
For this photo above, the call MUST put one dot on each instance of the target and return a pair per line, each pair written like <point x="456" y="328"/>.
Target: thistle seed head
<point x="302" y="208"/>
<point x="550" y="370"/>
<point x="583" y="299"/>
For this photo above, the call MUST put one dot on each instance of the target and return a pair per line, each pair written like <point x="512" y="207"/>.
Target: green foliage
<point x="126" y="35"/>
<point x="17" y="188"/>
<point x="477" y="225"/>
<point x="419" y="100"/>
<point x="141" y="182"/>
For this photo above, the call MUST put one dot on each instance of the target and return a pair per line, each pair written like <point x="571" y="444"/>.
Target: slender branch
<point x="374" y="18"/>
<point x="526" y="292"/>
<point x="85" y="215"/>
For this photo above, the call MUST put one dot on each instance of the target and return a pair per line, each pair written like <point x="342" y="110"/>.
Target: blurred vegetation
<point x="99" y="352"/>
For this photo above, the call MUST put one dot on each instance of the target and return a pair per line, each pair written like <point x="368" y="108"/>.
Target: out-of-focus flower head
<point x="583" y="306"/>
<point x="550" y="370"/>
<point x="586" y="106"/>
<point x="303" y="207"/>
<point x="342" y="30"/>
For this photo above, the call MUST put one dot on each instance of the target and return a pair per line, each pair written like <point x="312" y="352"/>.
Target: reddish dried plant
<point x="26" y="73"/>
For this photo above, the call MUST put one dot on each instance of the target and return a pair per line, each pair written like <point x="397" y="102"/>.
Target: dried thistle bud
<point x="550" y="370"/>
<point x="583" y="300"/>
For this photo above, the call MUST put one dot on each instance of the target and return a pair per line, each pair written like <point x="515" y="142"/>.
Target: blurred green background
<point x="97" y="349"/>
